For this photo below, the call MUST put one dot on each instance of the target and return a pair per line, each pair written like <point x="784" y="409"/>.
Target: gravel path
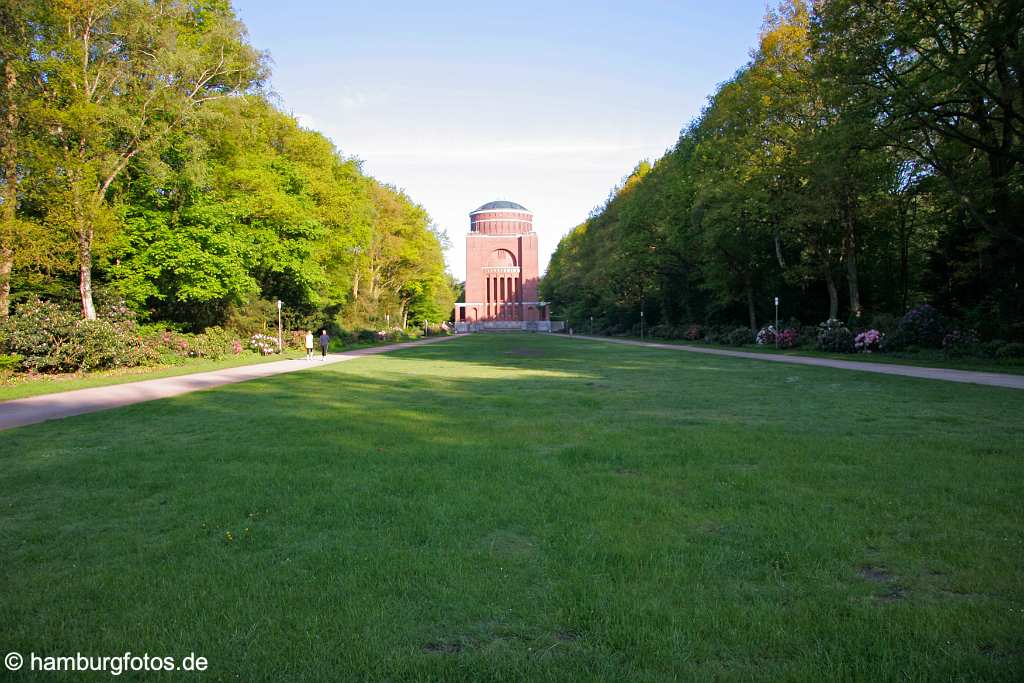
<point x="26" y="411"/>
<point x="993" y="379"/>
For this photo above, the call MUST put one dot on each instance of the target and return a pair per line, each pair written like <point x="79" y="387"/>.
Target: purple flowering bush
<point x="922" y="326"/>
<point x="868" y="342"/>
<point x="959" y="343"/>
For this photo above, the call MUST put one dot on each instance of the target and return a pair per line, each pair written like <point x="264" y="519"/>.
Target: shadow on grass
<point x="452" y="511"/>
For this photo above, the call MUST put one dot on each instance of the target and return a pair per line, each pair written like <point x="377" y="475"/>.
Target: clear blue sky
<point x="548" y="104"/>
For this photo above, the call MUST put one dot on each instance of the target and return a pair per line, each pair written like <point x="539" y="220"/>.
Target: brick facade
<point x="501" y="266"/>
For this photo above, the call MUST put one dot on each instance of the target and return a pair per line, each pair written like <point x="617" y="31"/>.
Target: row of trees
<point x="142" y="154"/>
<point x="866" y="159"/>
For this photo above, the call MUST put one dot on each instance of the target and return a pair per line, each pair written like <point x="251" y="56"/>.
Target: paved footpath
<point x="26" y="411"/>
<point x="994" y="379"/>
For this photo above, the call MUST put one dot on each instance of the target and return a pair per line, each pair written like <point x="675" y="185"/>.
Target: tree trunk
<point x="10" y="197"/>
<point x="85" y="234"/>
<point x="833" y="294"/>
<point x="904" y="238"/>
<point x="751" y="310"/>
<point x="850" y="254"/>
<point x="851" y="277"/>
<point x="6" y="265"/>
<point x="778" y="249"/>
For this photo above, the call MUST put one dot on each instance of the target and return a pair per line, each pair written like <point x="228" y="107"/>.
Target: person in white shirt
<point x="309" y="344"/>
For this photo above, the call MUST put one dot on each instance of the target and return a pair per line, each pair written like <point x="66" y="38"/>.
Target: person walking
<point x="309" y="344"/>
<point x="324" y="343"/>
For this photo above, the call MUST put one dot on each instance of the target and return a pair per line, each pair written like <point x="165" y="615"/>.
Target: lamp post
<point x="280" y="335"/>
<point x="591" y="326"/>
<point x="776" y="322"/>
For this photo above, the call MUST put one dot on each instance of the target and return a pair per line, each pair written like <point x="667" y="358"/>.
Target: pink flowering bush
<point x="694" y="332"/>
<point x="868" y="342"/>
<point x="788" y="339"/>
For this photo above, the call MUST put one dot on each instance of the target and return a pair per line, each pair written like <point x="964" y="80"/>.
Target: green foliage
<point x="50" y="338"/>
<point x="831" y="172"/>
<point x="738" y="336"/>
<point x="834" y="336"/>
<point x="960" y="344"/>
<point x="9" y="362"/>
<point x="1013" y="350"/>
<point x="38" y="331"/>
<point x="922" y="326"/>
<point x="181" y="198"/>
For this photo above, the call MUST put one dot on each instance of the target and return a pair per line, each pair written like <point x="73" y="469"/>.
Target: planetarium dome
<point x="502" y="205"/>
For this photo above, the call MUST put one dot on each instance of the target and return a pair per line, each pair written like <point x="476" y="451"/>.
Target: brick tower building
<point x="501" y="270"/>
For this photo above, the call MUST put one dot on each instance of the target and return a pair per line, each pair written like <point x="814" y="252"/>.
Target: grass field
<point x="25" y="386"/>
<point x="525" y="507"/>
<point x="924" y="358"/>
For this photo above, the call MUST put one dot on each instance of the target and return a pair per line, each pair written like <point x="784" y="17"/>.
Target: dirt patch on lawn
<point x="510" y="544"/>
<point x="879" y="574"/>
<point x="442" y="648"/>
<point x="895" y="594"/>
<point x="875" y="573"/>
<point x="710" y="528"/>
<point x="524" y="352"/>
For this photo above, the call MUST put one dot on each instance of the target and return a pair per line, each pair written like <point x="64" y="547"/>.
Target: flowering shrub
<point x="766" y="335"/>
<point x="263" y="344"/>
<point x="662" y="331"/>
<point x="922" y="326"/>
<point x="694" y="332"/>
<point x="1011" y="350"/>
<point x="868" y="342"/>
<point x="834" y="336"/>
<point x="296" y="339"/>
<point x="50" y="338"/>
<point x="213" y="343"/>
<point x="236" y="347"/>
<point x="114" y="310"/>
<point x="960" y="343"/>
<point x="788" y="339"/>
<point x="738" y="337"/>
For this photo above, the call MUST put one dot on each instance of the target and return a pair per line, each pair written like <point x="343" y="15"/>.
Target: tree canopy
<point x="866" y="159"/>
<point x="143" y="155"/>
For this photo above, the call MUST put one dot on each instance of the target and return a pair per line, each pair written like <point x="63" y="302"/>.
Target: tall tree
<point x="944" y="80"/>
<point x="119" y="76"/>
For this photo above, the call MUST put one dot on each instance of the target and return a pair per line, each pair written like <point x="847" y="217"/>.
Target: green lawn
<point x="24" y="386"/>
<point x="527" y="507"/>
<point x="925" y="358"/>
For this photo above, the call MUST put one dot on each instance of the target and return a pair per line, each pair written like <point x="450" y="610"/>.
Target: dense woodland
<point x="145" y="161"/>
<point x="866" y="160"/>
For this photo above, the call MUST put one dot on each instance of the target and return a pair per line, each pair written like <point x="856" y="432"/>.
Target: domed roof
<point x="491" y="206"/>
